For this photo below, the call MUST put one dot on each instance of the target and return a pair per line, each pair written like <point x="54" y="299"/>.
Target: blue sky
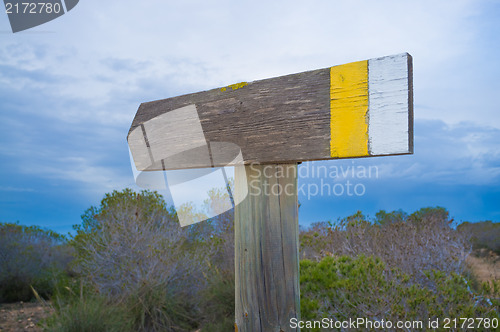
<point x="70" y="88"/>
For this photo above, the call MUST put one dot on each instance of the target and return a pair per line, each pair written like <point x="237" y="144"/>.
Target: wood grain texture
<point x="266" y="249"/>
<point x="278" y="120"/>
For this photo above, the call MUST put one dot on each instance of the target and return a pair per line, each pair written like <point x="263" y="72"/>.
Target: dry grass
<point x="484" y="265"/>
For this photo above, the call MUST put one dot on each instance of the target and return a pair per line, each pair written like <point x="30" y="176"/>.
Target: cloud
<point x="462" y="154"/>
<point x="127" y="65"/>
<point x="455" y="166"/>
<point x="67" y="98"/>
<point x="105" y="68"/>
<point x="14" y="189"/>
<point x="84" y="174"/>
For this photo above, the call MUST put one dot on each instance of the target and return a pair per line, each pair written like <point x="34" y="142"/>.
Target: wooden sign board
<point x="359" y="109"/>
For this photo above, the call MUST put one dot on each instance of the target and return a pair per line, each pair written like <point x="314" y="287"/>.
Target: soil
<point x="485" y="265"/>
<point x="22" y="316"/>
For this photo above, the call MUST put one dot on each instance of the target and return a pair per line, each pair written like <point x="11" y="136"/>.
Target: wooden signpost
<point x="360" y="109"/>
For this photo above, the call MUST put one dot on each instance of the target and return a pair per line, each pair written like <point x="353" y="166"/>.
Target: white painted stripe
<point x="388" y="124"/>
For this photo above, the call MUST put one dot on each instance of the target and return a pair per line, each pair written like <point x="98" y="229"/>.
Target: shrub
<point x="32" y="256"/>
<point x="217" y="302"/>
<point x="427" y="215"/>
<point x="88" y="313"/>
<point x="161" y="309"/>
<point x="484" y="234"/>
<point x="384" y="218"/>
<point x="130" y="241"/>
<point x="344" y="287"/>
<point x="423" y="241"/>
<point x="132" y="250"/>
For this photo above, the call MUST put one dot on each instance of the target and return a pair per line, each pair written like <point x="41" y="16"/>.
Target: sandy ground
<point x="486" y="267"/>
<point x="22" y="316"/>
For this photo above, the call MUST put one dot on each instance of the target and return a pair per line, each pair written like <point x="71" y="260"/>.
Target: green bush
<point x="345" y="287"/>
<point x="226" y="324"/>
<point x="429" y="214"/>
<point x="217" y="302"/>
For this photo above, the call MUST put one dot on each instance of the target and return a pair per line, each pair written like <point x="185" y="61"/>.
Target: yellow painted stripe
<point x="348" y="110"/>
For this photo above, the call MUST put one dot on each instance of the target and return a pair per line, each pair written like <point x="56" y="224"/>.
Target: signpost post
<point x="360" y="109"/>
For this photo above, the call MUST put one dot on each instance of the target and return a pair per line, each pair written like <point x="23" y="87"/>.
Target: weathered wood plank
<point x="291" y="118"/>
<point x="266" y="248"/>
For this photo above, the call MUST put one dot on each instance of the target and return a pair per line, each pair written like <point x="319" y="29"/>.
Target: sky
<point x="69" y="90"/>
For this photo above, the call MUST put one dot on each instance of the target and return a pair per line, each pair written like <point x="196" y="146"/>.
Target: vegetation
<point x="424" y="240"/>
<point x="345" y="287"/>
<point x="398" y="267"/>
<point x="131" y="267"/>
<point x="131" y="252"/>
<point x="217" y="303"/>
<point x="484" y="235"/>
<point x="87" y="312"/>
<point x="29" y="256"/>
